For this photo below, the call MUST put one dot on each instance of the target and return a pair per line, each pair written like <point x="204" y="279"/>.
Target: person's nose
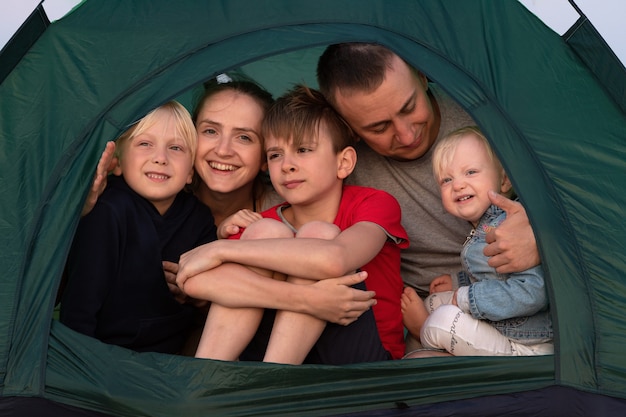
<point x="288" y="164"/>
<point x="405" y="132"/>
<point x="224" y="147"/>
<point x="160" y="155"/>
<point x="458" y="184"/>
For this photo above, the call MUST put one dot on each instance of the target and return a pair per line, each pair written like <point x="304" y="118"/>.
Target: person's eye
<point x="380" y="129"/>
<point x="272" y="155"/>
<point x="445" y="180"/>
<point x="472" y="171"/>
<point x="209" y="131"/>
<point x="177" y="148"/>
<point x="409" y="108"/>
<point x="304" y="150"/>
<point x="245" y="138"/>
<point x="143" y="143"/>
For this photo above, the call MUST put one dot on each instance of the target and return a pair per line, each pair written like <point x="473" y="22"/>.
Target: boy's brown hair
<point x="297" y="116"/>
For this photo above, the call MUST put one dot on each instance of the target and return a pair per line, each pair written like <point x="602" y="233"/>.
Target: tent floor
<point x="552" y="401"/>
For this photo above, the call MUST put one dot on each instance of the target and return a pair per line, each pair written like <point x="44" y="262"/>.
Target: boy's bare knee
<point x="266" y="228"/>
<point x="319" y="229"/>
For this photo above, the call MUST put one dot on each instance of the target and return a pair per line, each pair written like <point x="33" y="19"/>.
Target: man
<point x="399" y="117"/>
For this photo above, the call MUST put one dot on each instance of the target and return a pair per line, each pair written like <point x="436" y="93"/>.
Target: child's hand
<point x="233" y="223"/>
<point x="200" y="259"/>
<point x="107" y="163"/>
<point x="441" y="283"/>
<point x="335" y="301"/>
<point x="170" y="269"/>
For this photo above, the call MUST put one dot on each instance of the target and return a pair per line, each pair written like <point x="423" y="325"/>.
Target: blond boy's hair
<point x="184" y="127"/>
<point x="444" y="150"/>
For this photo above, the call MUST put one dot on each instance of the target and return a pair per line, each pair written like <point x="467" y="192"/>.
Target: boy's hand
<point x="200" y="259"/>
<point x="107" y="163"/>
<point x="336" y="301"/>
<point x="441" y="283"/>
<point x="171" y="269"/>
<point x="511" y="246"/>
<point x="233" y="223"/>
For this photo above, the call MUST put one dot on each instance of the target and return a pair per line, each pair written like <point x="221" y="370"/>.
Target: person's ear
<point x="422" y="79"/>
<point x="506" y="185"/>
<point x="346" y="161"/>
<point x="118" y="169"/>
<point x="190" y="177"/>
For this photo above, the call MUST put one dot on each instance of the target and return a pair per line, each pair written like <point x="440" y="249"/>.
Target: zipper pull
<point x="469" y="237"/>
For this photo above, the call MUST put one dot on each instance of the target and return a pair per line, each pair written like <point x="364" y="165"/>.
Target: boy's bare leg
<point x="294" y="334"/>
<point x="228" y="331"/>
<point x="414" y="313"/>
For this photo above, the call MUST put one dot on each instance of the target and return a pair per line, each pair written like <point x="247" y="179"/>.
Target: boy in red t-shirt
<point x="337" y="228"/>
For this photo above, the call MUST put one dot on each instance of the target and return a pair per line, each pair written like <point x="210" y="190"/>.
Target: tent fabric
<point x="559" y="133"/>
<point x="23" y="39"/>
<point x="592" y="49"/>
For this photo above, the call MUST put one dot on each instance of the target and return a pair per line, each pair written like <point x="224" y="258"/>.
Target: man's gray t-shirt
<point x="436" y="237"/>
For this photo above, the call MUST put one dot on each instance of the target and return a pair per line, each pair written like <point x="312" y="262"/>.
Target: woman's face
<point x="230" y="150"/>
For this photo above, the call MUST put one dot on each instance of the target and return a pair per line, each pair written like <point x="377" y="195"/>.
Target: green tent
<point x="555" y="112"/>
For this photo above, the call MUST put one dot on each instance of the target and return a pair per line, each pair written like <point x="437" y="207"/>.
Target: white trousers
<point x="460" y="334"/>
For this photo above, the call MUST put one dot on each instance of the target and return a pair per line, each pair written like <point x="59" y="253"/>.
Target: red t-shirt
<point x="360" y="204"/>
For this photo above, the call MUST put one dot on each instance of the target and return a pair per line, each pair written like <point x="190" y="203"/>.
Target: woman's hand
<point x="233" y="223"/>
<point x="107" y="163"/>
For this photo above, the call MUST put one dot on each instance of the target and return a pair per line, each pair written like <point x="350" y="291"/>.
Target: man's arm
<point x="511" y="246"/>
<point x="236" y="286"/>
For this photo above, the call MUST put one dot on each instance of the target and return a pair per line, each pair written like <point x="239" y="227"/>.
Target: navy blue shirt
<point x="116" y="289"/>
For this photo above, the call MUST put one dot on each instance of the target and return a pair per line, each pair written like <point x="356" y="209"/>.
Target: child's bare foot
<point x="414" y="313"/>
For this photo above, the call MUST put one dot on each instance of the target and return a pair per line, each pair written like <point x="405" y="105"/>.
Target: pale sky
<point x="606" y="15"/>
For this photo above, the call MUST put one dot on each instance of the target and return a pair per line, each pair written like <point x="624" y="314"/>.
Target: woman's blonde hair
<point x="444" y="151"/>
<point x="184" y="127"/>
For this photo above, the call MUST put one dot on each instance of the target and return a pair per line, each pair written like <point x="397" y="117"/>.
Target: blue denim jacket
<point x="516" y="304"/>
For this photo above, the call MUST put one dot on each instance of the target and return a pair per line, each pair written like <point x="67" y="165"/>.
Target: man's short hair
<point x="352" y="67"/>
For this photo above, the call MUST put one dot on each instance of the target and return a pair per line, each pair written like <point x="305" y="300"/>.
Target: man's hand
<point x="336" y="301"/>
<point x="107" y="163"/>
<point x="511" y="246"/>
